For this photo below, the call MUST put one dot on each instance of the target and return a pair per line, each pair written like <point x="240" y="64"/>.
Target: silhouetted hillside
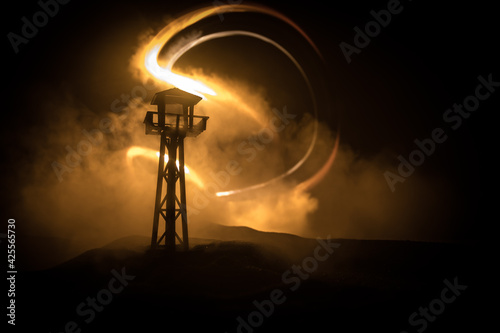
<point x="259" y="282"/>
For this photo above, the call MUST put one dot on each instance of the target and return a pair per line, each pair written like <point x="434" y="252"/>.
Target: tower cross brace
<point x="172" y="129"/>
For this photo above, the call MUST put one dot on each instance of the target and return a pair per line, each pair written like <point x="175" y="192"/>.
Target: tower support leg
<point x="168" y="206"/>
<point x="171" y="179"/>
<point x="183" y="205"/>
<point x="159" y="187"/>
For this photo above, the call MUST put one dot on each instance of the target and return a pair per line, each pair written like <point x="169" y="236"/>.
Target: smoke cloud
<point x="85" y="187"/>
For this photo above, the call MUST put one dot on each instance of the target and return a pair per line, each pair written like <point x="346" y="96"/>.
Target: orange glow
<point x="186" y="170"/>
<point x="192" y="86"/>
<point x="149" y="62"/>
<point x="321" y="173"/>
<point x="152" y="50"/>
<point x="136" y="151"/>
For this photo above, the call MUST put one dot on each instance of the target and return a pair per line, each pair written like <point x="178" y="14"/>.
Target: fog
<point x="82" y="184"/>
<point x="104" y="194"/>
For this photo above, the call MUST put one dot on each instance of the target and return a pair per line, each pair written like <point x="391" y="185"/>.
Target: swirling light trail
<point x="151" y="62"/>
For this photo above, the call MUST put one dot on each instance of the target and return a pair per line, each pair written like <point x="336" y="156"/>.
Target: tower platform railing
<point x="190" y="126"/>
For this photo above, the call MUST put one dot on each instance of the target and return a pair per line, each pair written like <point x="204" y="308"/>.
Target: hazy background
<point x="67" y="78"/>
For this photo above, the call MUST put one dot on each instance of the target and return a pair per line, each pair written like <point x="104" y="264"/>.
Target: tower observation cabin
<point x="172" y="127"/>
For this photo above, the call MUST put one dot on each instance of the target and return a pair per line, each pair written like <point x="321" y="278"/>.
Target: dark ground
<point x="363" y="286"/>
<point x="394" y="91"/>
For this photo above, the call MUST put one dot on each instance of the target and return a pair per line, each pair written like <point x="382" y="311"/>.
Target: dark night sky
<point x="394" y="91"/>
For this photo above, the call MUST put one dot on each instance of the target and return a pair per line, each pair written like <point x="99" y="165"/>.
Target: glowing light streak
<point x="165" y="73"/>
<point x="152" y="154"/>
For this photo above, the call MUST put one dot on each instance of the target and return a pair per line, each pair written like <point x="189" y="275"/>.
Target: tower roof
<point x="175" y="96"/>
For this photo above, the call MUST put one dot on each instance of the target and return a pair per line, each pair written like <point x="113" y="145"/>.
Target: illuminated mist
<point x="249" y="168"/>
